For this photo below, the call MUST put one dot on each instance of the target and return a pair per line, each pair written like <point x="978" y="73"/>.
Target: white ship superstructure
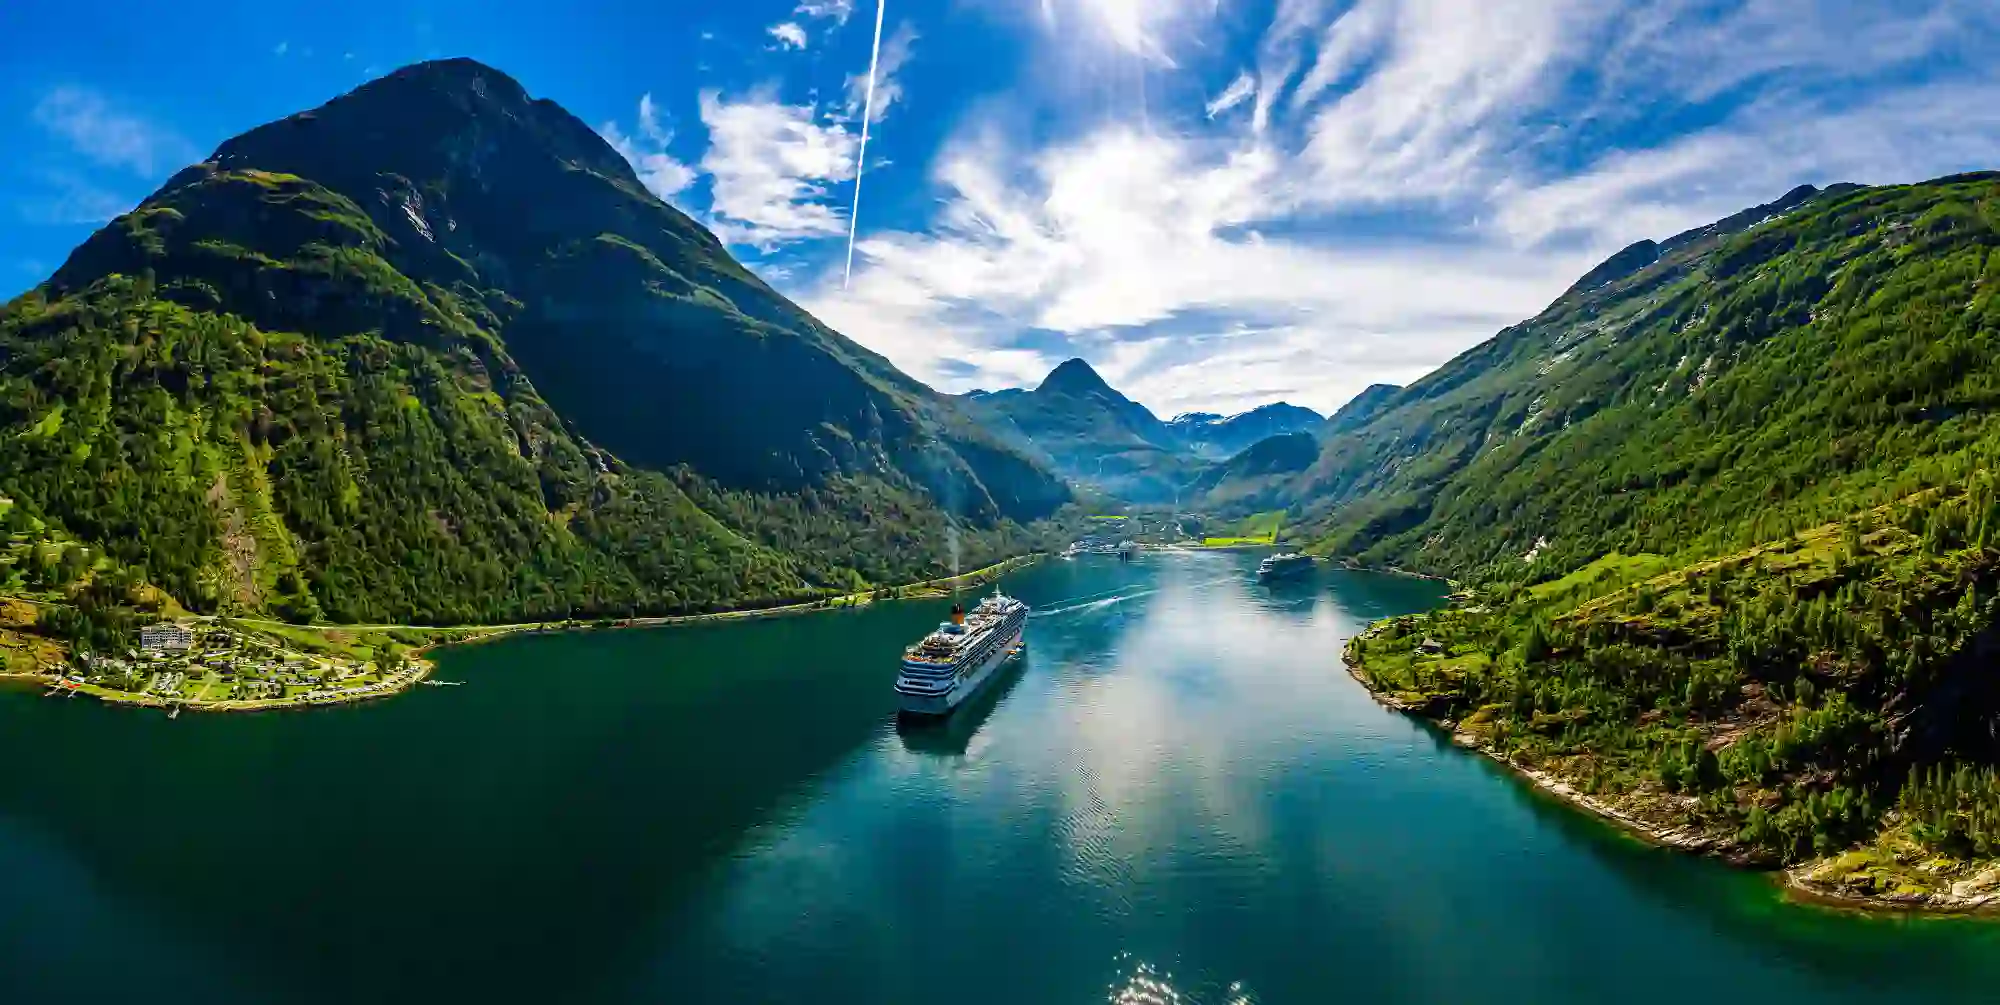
<point x="950" y="664"/>
<point x="1278" y="566"/>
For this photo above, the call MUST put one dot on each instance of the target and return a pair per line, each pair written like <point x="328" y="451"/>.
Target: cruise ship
<point x="947" y="666"/>
<point x="1280" y="566"/>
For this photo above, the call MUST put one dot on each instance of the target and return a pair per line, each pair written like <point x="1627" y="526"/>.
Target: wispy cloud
<point x="281" y="48"/>
<point x="69" y="198"/>
<point x="836" y="11"/>
<point x="1242" y="89"/>
<point x="897" y="47"/>
<point x="93" y="128"/>
<point x="661" y="173"/>
<point x="1412" y="176"/>
<point x="771" y="165"/>
<point x="789" y="34"/>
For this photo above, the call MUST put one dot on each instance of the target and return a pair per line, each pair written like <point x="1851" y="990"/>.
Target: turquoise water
<point x="1178" y="795"/>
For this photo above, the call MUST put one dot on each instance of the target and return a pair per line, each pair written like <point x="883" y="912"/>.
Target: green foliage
<point x="1791" y="693"/>
<point x="1091" y="433"/>
<point x="1748" y="384"/>
<point x="402" y="478"/>
<point x="97" y="619"/>
<point x="1955" y="809"/>
<point x="1731" y="505"/>
<point x="350" y="372"/>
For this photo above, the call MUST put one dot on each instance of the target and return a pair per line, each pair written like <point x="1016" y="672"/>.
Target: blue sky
<point x="1218" y="203"/>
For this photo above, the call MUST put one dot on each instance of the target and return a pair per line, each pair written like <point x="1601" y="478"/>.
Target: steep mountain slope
<point x="1090" y="433"/>
<point x="1215" y="437"/>
<point x="1745" y="381"/>
<point x="1363" y="407"/>
<point x="1730" y="514"/>
<point x="432" y="351"/>
<point x="1254" y="479"/>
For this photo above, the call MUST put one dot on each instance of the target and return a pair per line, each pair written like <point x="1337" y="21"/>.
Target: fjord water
<point x="1177" y="795"/>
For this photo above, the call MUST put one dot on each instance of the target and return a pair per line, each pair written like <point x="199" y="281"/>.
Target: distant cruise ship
<point x="950" y="664"/>
<point x="1279" y="566"/>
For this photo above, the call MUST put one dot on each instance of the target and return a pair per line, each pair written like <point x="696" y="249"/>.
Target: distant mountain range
<point x="432" y="352"/>
<point x="1217" y="437"/>
<point x="1095" y="436"/>
<point x="1090" y="433"/>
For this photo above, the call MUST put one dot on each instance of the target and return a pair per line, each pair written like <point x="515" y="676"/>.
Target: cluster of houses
<point x="170" y="650"/>
<point x="165" y="637"/>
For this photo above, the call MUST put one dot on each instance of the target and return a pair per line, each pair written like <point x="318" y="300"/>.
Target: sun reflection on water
<point x="1146" y="984"/>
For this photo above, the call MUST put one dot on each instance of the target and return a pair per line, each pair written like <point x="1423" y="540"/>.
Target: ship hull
<point x="1275" y="575"/>
<point x="1288" y="570"/>
<point x="939" y="705"/>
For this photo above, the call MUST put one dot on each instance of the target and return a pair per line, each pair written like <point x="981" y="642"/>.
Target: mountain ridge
<point x="438" y="316"/>
<point x="1724" y="519"/>
<point x="1089" y="432"/>
<point x="1219" y="437"/>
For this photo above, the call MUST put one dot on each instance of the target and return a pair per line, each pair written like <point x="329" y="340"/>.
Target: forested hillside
<point x="1092" y="434"/>
<point x="431" y="352"/>
<point x="1255" y="478"/>
<point x="1741" y="385"/>
<point x="1728" y="512"/>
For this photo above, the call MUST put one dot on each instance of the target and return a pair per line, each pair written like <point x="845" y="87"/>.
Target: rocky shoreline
<point x="1816" y="882"/>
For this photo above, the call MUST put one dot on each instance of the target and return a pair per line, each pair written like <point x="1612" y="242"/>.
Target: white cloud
<point x="1414" y="175"/>
<point x="108" y="136"/>
<point x="1242" y="89"/>
<point x="1125" y="241"/>
<point x="1434" y="115"/>
<point x="789" y="34"/>
<point x="836" y="11"/>
<point x="897" y="48"/>
<point x="1699" y="178"/>
<point x="68" y="198"/>
<point x="1141" y="28"/>
<point x="771" y="165"/>
<point x="663" y="175"/>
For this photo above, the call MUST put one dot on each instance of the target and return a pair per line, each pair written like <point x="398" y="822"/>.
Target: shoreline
<point x="421" y="668"/>
<point x="1391" y="570"/>
<point x="1794" y="882"/>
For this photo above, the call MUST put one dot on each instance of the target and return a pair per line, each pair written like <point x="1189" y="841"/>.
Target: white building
<point x="164" y="636"/>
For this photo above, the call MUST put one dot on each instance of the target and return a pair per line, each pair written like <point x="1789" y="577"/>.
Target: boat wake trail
<point x="1098" y="601"/>
<point x="1088" y="605"/>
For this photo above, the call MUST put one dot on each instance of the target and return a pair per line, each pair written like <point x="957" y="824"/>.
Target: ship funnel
<point x="958" y="614"/>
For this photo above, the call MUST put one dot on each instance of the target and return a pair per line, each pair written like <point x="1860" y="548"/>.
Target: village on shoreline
<point x="220" y="664"/>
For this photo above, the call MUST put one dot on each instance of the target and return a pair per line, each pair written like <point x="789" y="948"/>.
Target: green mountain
<point x="1360" y="409"/>
<point x="1730" y="511"/>
<point x="1752" y="376"/>
<point x="432" y="352"/>
<point x="1090" y="433"/>
<point x="1217" y="437"/>
<point x="1255" y="478"/>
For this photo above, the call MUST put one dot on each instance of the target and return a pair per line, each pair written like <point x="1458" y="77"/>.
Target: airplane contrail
<point x="861" y="157"/>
